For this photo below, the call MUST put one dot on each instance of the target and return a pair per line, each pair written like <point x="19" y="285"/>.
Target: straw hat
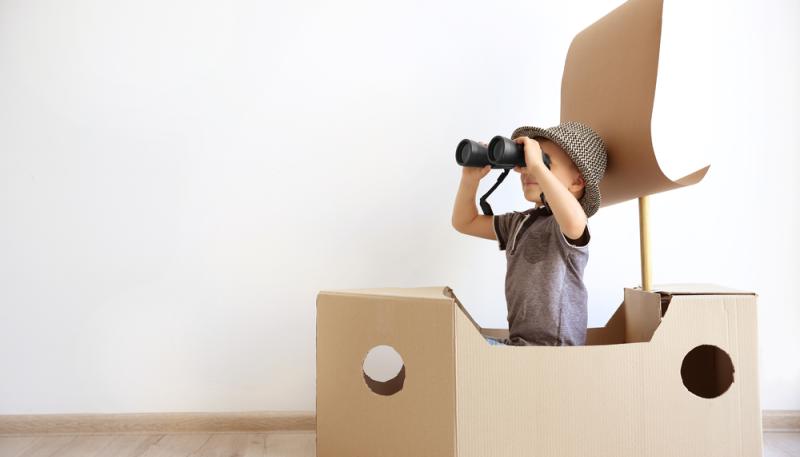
<point x="586" y="149"/>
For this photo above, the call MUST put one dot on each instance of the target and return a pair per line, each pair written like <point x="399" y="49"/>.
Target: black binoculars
<point x="502" y="153"/>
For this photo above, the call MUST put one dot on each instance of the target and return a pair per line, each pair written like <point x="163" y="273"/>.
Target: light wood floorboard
<point x="272" y="444"/>
<point x="782" y="444"/>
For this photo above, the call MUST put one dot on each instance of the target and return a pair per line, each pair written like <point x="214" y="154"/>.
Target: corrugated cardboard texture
<point x="609" y="83"/>
<point x="432" y="292"/>
<point x="463" y="397"/>
<point x="703" y="289"/>
<point x="354" y="421"/>
<point x="612" y="400"/>
<point x="642" y="316"/>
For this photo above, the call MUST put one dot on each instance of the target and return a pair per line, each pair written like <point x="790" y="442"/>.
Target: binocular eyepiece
<point x="502" y="153"/>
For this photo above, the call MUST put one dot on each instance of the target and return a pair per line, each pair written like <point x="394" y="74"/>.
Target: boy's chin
<point x="533" y="197"/>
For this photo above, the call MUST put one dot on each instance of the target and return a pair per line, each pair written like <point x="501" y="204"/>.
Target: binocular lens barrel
<point x="504" y="151"/>
<point x="471" y="154"/>
<point x="501" y="153"/>
<point x="464" y="151"/>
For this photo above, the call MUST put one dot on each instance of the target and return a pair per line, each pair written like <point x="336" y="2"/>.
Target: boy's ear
<point x="579" y="180"/>
<point x="579" y="184"/>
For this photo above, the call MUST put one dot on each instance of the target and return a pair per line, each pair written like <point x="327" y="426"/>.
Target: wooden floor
<point x="272" y="444"/>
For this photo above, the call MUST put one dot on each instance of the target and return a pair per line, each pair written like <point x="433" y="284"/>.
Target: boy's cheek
<point x="532" y="193"/>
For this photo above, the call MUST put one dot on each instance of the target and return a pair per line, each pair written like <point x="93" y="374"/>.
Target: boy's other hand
<point x="475" y="174"/>
<point x="533" y="152"/>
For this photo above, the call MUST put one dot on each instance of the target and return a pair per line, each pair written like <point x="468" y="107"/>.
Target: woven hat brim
<point x="590" y="201"/>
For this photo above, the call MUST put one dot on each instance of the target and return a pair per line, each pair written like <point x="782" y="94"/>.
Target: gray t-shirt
<point x="545" y="294"/>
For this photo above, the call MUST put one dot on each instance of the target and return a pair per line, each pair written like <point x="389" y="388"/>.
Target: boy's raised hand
<point x="533" y="152"/>
<point x="475" y="174"/>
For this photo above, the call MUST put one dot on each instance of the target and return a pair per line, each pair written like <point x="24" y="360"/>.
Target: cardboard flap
<point x="609" y="83"/>
<point x="697" y="289"/>
<point x="642" y="315"/>
<point x="430" y="292"/>
<point x="408" y="414"/>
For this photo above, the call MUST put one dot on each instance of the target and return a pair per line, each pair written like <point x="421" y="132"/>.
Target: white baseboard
<point x="221" y="422"/>
<point x="781" y="420"/>
<point x="255" y="421"/>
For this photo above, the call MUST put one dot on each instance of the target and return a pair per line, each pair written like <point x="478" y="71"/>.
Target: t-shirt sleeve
<point x="581" y="243"/>
<point x="502" y="227"/>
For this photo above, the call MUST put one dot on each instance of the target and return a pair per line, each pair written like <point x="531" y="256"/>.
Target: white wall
<point x="179" y="179"/>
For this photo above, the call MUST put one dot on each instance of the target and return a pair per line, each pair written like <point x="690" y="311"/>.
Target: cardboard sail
<point x="609" y="83"/>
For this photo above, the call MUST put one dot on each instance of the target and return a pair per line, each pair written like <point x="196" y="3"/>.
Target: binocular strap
<point x="544" y="202"/>
<point x="487" y="209"/>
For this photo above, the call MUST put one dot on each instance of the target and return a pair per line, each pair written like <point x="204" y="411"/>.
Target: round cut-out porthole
<point x="707" y="371"/>
<point x="384" y="371"/>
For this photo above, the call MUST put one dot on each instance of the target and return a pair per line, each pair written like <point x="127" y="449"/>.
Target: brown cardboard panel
<point x="613" y="400"/>
<point x="352" y="419"/>
<point x="427" y="292"/>
<point x="705" y="289"/>
<point x="642" y="315"/>
<point x="612" y="333"/>
<point x="609" y="83"/>
<point x="692" y="390"/>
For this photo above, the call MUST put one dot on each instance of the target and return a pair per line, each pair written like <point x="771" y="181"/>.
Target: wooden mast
<point x="644" y="241"/>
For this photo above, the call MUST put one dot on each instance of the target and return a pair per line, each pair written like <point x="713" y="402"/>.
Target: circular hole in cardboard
<point x="384" y="370"/>
<point x="707" y="371"/>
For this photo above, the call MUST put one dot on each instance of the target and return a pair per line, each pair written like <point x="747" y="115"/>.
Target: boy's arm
<point x="565" y="207"/>
<point x="465" y="214"/>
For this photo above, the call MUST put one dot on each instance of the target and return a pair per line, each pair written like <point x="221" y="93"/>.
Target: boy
<point x="546" y="246"/>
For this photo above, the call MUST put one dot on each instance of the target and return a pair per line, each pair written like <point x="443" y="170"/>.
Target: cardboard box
<point x="672" y="373"/>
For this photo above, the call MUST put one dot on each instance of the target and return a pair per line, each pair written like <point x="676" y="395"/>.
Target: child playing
<point x="547" y="247"/>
